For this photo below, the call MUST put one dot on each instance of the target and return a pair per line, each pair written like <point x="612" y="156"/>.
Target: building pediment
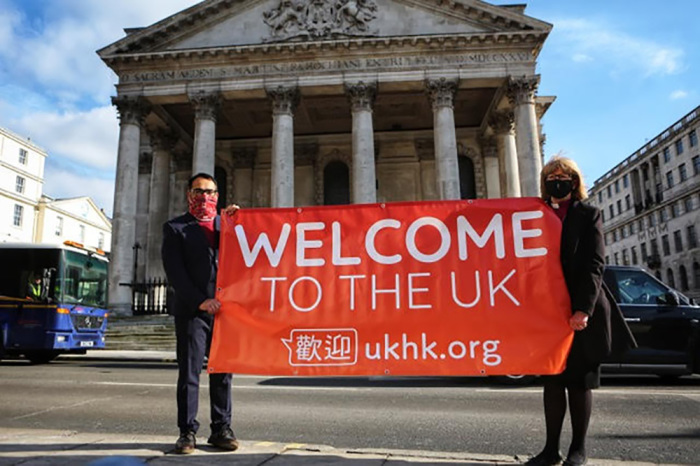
<point x="81" y="208"/>
<point x="217" y="24"/>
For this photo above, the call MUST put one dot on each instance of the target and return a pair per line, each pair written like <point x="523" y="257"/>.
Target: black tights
<point x="580" y="404"/>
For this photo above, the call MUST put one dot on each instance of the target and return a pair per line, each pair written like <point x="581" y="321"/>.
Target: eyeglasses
<point x="559" y="178"/>
<point x="208" y="192"/>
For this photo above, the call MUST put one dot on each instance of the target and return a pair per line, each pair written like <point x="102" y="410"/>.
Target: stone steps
<point x="155" y="333"/>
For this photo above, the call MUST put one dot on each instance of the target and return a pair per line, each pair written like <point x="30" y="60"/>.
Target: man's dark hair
<point x="206" y="176"/>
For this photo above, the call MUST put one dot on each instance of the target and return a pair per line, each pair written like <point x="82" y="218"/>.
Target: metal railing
<point x="149" y="297"/>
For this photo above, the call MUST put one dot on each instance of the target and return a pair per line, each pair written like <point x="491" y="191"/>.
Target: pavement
<point x="38" y="447"/>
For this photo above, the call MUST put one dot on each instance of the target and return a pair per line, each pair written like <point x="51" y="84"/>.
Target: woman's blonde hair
<point x="569" y="167"/>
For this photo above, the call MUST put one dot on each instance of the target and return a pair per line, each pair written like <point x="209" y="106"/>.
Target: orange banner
<point x="412" y="288"/>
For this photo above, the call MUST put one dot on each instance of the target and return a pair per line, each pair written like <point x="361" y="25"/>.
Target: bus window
<point x="85" y="280"/>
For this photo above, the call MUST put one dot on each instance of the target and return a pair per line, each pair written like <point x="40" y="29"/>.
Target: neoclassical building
<point x="313" y="102"/>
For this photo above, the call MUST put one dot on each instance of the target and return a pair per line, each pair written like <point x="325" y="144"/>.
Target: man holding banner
<point x="190" y="255"/>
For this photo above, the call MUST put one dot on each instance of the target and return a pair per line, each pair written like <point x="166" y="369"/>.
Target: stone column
<point x="491" y="168"/>
<point x="143" y="196"/>
<point x="284" y="102"/>
<point x="182" y="170"/>
<point x="442" y="93"/>
<point x="206" y="106"/>
<point x="364" y="184"/>
<point x="502" y="124"/>
<point x="162" y="142"/>
<point x="132" y="112"/>
<point x="521" y="93"/>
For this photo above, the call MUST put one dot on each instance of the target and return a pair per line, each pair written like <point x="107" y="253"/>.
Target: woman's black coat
<point x="583" y="263"/>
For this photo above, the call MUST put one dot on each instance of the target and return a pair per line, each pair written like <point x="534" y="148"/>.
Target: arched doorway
<point x="683" y="277"/>
<point x="220" y="177"/>
<point x="467" y="183"/>
<point x="336" y="183"/>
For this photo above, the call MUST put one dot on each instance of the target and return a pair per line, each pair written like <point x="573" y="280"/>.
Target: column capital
<point x="285" y="99"/>
<point x="206" y="104"/>
<point x="361" y="95"/>
<point x="132" y="109"/>
<point x="441" y="91"/>
<point x="522" y="90"/>
<point x="162" y="139"/>
<point x="502" y="121"/>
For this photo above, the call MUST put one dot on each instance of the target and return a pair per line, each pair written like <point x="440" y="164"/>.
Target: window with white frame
<point x="19" y="213"/>
<point x="59" y="226"/>
<point x="23" y="156"/>
<point x="101" y="241"/>
<point x="19" y="184"/>
<point x="82" y="234"/>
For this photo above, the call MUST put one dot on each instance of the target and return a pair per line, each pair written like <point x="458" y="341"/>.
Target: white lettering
<point x="519" y="234"/>
<point x="445" y="239"/>
<point x="337" y="249"/>
<point x="303" y="244"/>
<point x="263" y="242"/>
<point x="371" y="247"/>
<point x="494" y="228"/>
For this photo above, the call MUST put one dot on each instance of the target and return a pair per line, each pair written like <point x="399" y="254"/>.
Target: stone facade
<point x="312" y="102"/>
<point x="651" y="206"/>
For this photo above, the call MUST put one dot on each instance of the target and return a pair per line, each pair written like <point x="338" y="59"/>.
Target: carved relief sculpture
<point x="320" y="19"/>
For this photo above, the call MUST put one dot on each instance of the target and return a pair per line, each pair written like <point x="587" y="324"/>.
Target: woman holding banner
<point x="595" y="316"/>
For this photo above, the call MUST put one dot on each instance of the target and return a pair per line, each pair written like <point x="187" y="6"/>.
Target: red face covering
<point x="203" y="206"/>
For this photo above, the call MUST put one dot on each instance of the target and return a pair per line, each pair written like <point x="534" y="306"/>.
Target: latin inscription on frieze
<point x="356" y="64"/>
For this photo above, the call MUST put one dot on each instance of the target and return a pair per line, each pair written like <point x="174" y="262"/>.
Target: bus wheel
<point x="41" y="356"/>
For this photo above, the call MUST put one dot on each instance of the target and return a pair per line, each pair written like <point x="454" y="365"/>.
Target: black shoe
<point x="545" y="458"/>
<point x="186" y="443"/>
<point x="575" y="459"/>
<point x="224" y="438"/>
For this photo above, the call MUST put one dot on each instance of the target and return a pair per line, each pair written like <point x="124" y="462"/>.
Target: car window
<point x="636" y="287"/>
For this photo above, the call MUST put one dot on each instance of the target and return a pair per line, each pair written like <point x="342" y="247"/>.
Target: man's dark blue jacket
<point x="190" y="263"/>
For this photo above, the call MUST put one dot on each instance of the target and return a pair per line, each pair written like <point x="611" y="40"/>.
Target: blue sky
<point x="622" y="71"/>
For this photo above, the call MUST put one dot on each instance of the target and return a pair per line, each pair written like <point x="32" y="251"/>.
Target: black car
<point x="665" y="323"/>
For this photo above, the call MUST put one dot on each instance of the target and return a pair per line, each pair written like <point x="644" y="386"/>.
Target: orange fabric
<point x="413" y="288"/>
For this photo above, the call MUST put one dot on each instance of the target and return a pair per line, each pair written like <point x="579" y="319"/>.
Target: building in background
<point x="21" y="185"/>
<point x="651" y="206"/>
<point x="316" y="103"/>
<point x="76" y="219"/>
<point x="28" y="216"/>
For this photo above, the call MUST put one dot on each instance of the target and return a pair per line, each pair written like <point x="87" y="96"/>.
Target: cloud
<point x="581" y="58"/>
<point x="61" y="183"/>
<point x="52" y="51"/>
<point x="678" y="94"/>
<point x="581" y="38"/>
<point x="88" y="138"/>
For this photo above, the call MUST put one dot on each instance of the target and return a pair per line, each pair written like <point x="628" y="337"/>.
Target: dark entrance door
<point x="336" y="183"/>
<point x="467" y="186"/>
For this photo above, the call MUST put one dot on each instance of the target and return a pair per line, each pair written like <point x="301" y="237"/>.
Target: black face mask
<point x="559" y="189"/>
